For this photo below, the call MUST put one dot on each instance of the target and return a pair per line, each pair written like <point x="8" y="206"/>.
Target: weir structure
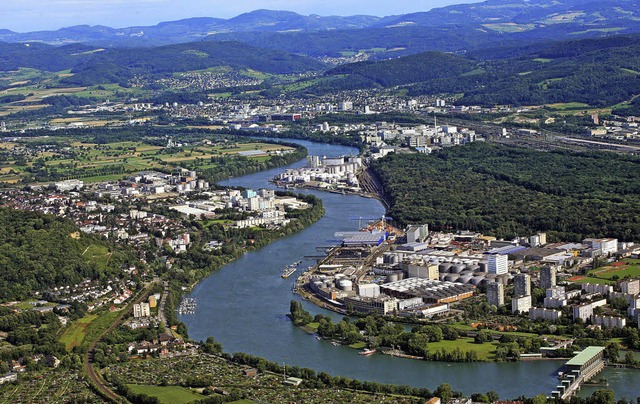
<point x="579" y="369"/>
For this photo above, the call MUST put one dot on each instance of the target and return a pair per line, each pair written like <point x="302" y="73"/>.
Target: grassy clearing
<point x="485" y="351"/>
<point x="74" y="335"/>
<point x="86" y="329"/>
<point x="167" y="394"/>
<point x="568" y="106"/>
<point x="509" y="27"/>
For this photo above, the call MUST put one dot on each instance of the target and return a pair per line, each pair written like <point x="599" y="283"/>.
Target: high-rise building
<point x="630" y="287"/>
<point x="548" y="276"/>
<point x="141" y="310"/>
<point x="495" y="293"/>
<point x="498" y="264"/>
<point x="521" y="304"/>
<point x="522" y="284"/>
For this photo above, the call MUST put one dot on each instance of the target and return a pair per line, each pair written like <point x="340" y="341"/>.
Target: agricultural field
<point x="100" y="162"/>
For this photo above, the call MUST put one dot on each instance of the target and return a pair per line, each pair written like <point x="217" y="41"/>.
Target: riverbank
<point x="251" y="289"/>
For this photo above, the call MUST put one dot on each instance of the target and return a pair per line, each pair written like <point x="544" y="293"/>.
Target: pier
<point x="579" y="369"/>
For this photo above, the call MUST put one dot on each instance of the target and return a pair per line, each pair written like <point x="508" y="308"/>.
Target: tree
<point x="445" y="392"/>
<point x="611" y="352"/>
<point x="603" y="396"/>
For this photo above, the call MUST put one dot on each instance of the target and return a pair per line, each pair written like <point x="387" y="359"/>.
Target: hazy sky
<point x="33" y="15"/>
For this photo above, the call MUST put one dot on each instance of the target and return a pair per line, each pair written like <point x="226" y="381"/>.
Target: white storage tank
<point x="345" y="284"/>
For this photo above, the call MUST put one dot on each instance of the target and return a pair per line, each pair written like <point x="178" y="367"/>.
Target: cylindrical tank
<point x="444" y="267"/>
<point x="465" y="279"/>
<point x="451" y="277"/>
<point x="476" y="280"/>
<point x="474" y="267"/>
<point x="346" y="285"/>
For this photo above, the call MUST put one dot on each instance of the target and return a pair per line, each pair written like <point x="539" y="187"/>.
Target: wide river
<point x="244" y="305"/>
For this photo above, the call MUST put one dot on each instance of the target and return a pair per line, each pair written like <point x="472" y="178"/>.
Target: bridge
<point x="579" y="369"/>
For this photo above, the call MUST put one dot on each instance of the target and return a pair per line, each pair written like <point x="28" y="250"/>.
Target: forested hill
<point x="598" y="72"/>
<point x="507" y="191"/>
<point x="40" y="252"/>
<point x="92" y="65"/>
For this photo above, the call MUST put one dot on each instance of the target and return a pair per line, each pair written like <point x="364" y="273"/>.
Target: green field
<point x="74" y="335"/>
<point x="631" y="269"/>
<point x="92" y="162"/>
<point x="90" y="325"/>
<point x="597" y="281"/>
<point x="167" y="394"/>
<point x="485" y="351"/>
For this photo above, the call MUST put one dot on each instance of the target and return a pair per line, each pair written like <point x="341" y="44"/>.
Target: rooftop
<point x="587" y="354"/>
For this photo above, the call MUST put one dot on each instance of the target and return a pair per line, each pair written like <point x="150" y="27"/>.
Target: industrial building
<point x="382" y="305"/>
<point x="430" y="291"/>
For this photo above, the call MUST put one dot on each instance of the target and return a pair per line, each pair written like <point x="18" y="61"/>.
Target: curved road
<point x="93" y="374"/>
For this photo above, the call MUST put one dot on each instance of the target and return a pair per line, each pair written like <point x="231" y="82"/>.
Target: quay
<point x="579" y="369"/>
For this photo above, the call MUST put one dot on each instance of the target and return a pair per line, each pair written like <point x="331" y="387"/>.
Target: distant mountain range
<point x="455" y="28"/>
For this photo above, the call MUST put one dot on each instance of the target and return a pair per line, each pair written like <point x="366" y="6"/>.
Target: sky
<point x="35" y="15"/>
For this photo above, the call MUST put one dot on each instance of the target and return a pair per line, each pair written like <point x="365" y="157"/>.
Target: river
<point x="244" y="305"/>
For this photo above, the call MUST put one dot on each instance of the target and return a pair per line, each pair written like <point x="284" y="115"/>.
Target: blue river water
<point x="244" y="304"/>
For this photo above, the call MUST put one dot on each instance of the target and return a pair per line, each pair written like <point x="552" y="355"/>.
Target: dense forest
<point x="43" y="251"/>
<point x="598" y="72"/>
<point x="507" y="191"/>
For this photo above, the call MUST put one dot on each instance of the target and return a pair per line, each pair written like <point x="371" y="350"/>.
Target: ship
<point x="367" y="352"/>
<point x="290" y="269"/>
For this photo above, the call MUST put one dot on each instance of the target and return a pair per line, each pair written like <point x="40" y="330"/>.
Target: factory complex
<point x="417" y="273"/>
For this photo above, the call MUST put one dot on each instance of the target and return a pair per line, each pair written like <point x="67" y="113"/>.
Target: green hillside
<point x="43" y="251"/>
